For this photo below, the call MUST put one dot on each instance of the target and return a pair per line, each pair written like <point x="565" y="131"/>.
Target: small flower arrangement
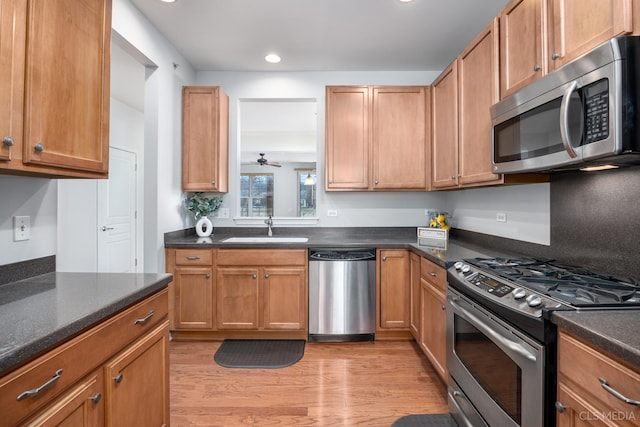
<point x="201" y="205"/>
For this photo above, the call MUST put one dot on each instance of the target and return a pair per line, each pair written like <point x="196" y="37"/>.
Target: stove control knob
<point x="534" y="301"/>
<point x="458" y="265"/>
<point x="519" y="293"/>
<point x="465" y="268"/>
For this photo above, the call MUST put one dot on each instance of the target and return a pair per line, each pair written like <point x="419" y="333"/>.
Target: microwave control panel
<point x="596" y="111"/>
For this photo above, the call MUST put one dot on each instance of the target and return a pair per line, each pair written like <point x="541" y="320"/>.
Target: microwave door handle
<point x="564" y="119"/>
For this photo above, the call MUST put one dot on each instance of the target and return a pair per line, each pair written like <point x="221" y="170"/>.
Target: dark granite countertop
<point x="382" y="237"/>
<point x="614" y="331"/>
<point x="41" y="312"/>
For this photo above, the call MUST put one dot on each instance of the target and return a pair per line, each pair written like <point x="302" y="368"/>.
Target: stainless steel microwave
<point x="585" y="113"/>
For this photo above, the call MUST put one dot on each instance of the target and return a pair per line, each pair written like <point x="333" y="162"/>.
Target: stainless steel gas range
<point x="501" y="344"/>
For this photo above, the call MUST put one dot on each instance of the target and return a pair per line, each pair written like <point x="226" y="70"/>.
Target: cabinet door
<point x="523" y="56"/>
<point x="478" y="90"/>
<point x="444" y="123"/>
<point x="284" y="298"/>
<point x="81" y="406"/>
<point x="575" y="27"/>
<point x="347" y="137"/>
<point x="205" y="139"/>
<point x="433" y="327"/>
<point x="12" y="41"/>
<point x="193" y="300"/>
<point x="399" y="138"/>
<point x="66" y="114"/>
<point x="415" y="295"/>
<point x="395" y="299"/>
<point x="137" y="382"/>
<point x="237" y="298"/>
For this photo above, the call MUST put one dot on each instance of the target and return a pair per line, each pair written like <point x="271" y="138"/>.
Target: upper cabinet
<point x="54" y="70"/>
<point x="205" y="139"/>
<point x="462" y="95"/>
<point x="539" y="36"/>
<point x="376" y="138"/>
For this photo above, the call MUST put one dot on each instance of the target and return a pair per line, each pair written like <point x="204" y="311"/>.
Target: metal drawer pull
<point x="39" y="147"/>
<point x="193" y="258"/>
<point x="207" y="276"/>
<point x="105" y="228"/>
<point x="266" y="276"/>
<point x="8" y="141"/>
<point x="118" y="378"/>
<point x="144" y="319"/>
<point x="432" y="274"/>
<point x="35" y="391"/>
<point x="560" y="407"/>
<point x="616" y="393"/>
<point x="95" y="399"/>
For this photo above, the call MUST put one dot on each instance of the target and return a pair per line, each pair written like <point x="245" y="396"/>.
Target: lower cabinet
<point x="394" y="292"/>
<point x="115" y="374"/>
<point x="592" y="386"/>
<point x="432" y="341"/>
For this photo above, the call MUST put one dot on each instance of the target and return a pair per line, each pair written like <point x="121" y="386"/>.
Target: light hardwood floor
<point x="334" y="384"/>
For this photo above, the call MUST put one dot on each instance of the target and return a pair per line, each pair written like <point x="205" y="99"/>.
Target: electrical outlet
<point x="332" y="212"/>
<point x="501" y="216"/>
<point x="21" y="228"/>
<point x="223" y="213"/>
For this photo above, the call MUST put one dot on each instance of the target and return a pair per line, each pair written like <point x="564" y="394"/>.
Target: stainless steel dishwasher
<point x="342" y="294"/>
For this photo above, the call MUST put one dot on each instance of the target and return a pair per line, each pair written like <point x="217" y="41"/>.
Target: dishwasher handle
<point x="342" y="254"/>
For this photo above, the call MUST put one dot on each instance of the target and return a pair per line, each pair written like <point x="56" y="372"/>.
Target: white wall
<point x="35" y="197"/>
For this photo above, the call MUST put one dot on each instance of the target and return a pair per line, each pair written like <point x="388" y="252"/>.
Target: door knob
<point x="105" y="228"/>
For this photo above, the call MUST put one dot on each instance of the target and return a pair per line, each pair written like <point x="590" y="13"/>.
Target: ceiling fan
<point x="262" y="161"/>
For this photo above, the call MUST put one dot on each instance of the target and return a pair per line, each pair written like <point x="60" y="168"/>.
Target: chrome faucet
<point x="269" y="222"/>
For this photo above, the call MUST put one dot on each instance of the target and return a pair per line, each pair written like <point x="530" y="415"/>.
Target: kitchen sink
<point x="266" y="240"/>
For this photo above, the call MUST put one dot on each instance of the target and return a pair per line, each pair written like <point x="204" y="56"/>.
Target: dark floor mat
<point x="260" y="354"/>
<point x="426" y="420"/>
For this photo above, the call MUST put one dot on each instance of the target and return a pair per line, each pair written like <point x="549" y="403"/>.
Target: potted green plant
<point x="202" y="207"/>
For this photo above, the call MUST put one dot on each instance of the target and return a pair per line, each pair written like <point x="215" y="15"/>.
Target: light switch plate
<point x="21" y="228"/>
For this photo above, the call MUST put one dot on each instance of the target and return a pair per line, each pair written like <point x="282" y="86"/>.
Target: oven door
<point x="498" y="370"/>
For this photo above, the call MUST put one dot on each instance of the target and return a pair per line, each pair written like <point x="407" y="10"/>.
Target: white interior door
<point x="117" y="201"/>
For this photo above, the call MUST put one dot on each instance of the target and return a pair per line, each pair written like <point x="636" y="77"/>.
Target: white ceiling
<point x="320" y="35"/>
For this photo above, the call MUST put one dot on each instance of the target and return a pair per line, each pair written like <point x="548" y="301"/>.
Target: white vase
<point x="204" y="227"/>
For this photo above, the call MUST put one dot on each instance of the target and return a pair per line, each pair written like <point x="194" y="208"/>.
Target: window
<point x="256" y="194"/>
<point x="307" y="193"/>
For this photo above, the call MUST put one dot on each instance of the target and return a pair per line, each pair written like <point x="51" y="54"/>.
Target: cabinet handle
<point x="432" y="274"/>
<point x="444" y="308"/>
<point x="266" y="276"/>
<point x="193" y="258"/>
<point x="453" y="177"/>
<point x="105" y="228"/>
<point x="118" y="378"/>
<point x="144" y="319"/>
<point x="33" y="392"/>
<point x="8" y="141"/>
<point x="255" y="276"/>
<point x="95" y="399"/>
<point x="375" y="182"/>
<point x="536" y="68"/>
<point x="207" y="276"/>
<point x="39" y="147"/>
<point x="213" y="182"/>
<point x="330" y="182"/>
<point x="555" y="56"/>
<point x="384" y="258"/>
<point x="560" y="407"/>
<point x="616" y="393"/>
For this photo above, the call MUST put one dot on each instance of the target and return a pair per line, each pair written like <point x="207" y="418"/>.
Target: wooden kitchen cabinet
<point x="540" y="36"/>
<point x="376" y="138"/>
<point x="137" y="382"/>
<point x="262" y="290"/>
<point x="523" y="57"/>
<point x="394" y="289"/>
<point x="414" y="271"/>
<point x="205" y="139"/>
<point x="192" y="288"/>
<point x="461" y="123"/>
<point x="76" y="372"/>
<point x="433" y="316"/>
<point x="55" y="123"/>
<point x="581" y="397"/>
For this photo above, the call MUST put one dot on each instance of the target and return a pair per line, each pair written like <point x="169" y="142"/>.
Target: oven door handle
<point x="515" y="347"/>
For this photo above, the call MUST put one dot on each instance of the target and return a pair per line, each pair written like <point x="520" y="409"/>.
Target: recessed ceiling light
<point x="272" y="58"/>
<point x="173" y="1"/>
<point x="406" y="1"/>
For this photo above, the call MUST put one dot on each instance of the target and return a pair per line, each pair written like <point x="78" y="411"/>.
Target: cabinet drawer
<point x="262" y="257"/>
<point x="582" y="365"/>
<point x="76" y="358"/>
<point x="194" y="257"/>
<point x="433" y="274"/>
